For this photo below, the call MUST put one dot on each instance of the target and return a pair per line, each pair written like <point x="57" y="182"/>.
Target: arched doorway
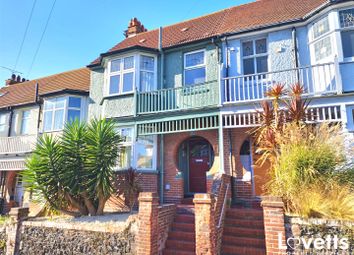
<point x="246" y="160"/>
<point x="195" y="158"/>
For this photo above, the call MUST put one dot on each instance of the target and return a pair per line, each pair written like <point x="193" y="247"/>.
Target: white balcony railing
<point x="317" y="80"/>
<point x="17" y="144"/>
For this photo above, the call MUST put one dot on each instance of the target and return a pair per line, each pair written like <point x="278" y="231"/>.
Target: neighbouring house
<point x="29" y="109"/>
<point x="185" y="96"/>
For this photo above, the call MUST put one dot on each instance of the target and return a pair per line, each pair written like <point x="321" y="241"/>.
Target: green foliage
<point x="73" y="173"/>
<point x="128" y="185"/>
<point x="304" y="159"/>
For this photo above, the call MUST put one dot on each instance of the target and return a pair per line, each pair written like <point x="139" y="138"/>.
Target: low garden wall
<point x="319" y="236"/>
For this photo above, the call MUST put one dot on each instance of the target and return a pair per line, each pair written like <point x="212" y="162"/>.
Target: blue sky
<point x="79" y="30"/>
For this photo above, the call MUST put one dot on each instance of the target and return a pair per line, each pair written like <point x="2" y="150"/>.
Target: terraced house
<point x="185" y="96"/>
<point x="29" y="109"/>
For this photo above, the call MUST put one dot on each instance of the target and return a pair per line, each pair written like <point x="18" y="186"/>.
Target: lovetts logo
<point x="318" y="243"/>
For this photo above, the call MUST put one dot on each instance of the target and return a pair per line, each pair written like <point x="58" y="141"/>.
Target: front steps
<point x="181" y="238"/>
<point x="244" y="230"/>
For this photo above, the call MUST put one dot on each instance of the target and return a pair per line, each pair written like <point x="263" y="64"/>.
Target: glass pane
<point x="128" y="63"/>
<point x="147" y="63"/>
<point x="348" y="44"/>
<point x="24" y="126"/>
<point x="128" y="82"/>
<point x="60" y="102"/>
<point x="114" y="84"/>
<point x="346" y="18"/>
<point x="146" y="81"/>
<point x="58" y="119"/>
<point x="193" y="59"/>
<point x="2" y="119"/>
<point x="48" y="121"/>
<point x="247" y="48"/>
<point x="73" y="115"/>
<point x="49" y="104"/>
<point x="323" y="48"/>
<point x="126" y="134"/>
<point x="25" y="114"/>
<point x="248" y="66"/>
<point x="320" y="27"/>
<point x="124" y="158"/>
<point x="75" y="102"/>
<point x="115" y="65"/>
<point x="261" y="46"/>
<point x="262" y="64"/>
<point x="144" y="154"/>
<point x="195" y="76"/>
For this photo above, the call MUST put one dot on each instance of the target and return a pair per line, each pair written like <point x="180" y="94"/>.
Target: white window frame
<point x="139" y="70"/>
<point x="133" y="143"/>
<point x="66" y="110"/>
<point x="341" y="29"/>
<point x="185" y="68"/>
<point x="25" y="119"/>
<point x="4" y="124"/>
<point x="255" y="55"/>
<point x="121" y="73"/>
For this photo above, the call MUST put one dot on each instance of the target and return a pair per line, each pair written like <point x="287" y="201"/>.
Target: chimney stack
<point x="135" y="27"/>
<point x="14" y="79"/>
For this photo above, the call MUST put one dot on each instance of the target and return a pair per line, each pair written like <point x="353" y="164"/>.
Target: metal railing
<point x="17" y="144"/>
<point x="317" y="80"/>
<point x="179" y="98"/>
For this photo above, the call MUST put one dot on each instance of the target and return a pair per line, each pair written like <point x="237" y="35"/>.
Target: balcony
<point x="17" y="144"/>
<point x="317" y="80"/>
<point x="177" y="99"/>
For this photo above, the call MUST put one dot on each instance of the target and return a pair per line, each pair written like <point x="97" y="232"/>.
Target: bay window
<point x="2" y="122"/>
<point x="25" y="122"/>
<point x="60" y="109"/>
<point x="255" y="56"/>
<point x="322" y="40"/>
<point x="194" y="68"/>
<point x="138" y="153"/>
<point x="121" y="75"/>
<point x="346" y="18"/>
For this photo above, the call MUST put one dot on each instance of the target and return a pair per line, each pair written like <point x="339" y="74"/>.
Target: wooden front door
<point x="199" y="164"/>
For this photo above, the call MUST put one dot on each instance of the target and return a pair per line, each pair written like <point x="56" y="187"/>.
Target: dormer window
<point x="126" y="74"/>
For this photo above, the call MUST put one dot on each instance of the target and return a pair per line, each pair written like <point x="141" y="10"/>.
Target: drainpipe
<point x="295" y="50"/>
<point x="39" y="106"/>
<point x="10" y="122"/>
<point x="231" y="166"/>
<point x="162" y="166"/>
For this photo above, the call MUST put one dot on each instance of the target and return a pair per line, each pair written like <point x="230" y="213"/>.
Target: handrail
<point x="223" y="206"/>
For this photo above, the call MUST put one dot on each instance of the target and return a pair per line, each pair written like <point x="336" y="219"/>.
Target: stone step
<point x="181" y="235"/>
<point x="178" y="245"/>
<point x="243" y="232"/>
<point x="244" y="223"/>
<point x="180" y="226"/>
<point x="243" y="241"/>
<point x="236" y="213"/>
<point x="185" y="218"/>
<point x="177" y="252"/>
<point x="185" y="209"/>
<point x="241" y="250"/>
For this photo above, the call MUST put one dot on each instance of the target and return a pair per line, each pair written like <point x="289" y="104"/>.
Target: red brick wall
<point x="165" y="219"/>
<point x="171" y="145"/>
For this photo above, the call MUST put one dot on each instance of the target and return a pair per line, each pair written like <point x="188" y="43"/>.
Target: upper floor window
<point x="59" y="109"/>
<point x="194" y="67"/>
<point x="320" y="27"/>
<point x="255" y="56"/>
<point x="121" y="75"/>
<point x="147" y="73"/>
<point x="25" y="122"/>
<point x="2" y="122"/>
<point x="346" y="18"/>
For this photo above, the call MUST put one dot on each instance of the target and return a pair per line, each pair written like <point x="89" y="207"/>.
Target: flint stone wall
<point x="58" y="238"/>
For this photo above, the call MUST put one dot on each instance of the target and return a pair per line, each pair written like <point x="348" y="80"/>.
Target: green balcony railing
<point x="180" y="98"/>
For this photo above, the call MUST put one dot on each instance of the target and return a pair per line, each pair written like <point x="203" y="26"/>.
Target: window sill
<point x="107" y="97"/>
<point x="140" y="171"/>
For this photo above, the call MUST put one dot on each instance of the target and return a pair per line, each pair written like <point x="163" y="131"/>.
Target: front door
<point x="199" y="164"/>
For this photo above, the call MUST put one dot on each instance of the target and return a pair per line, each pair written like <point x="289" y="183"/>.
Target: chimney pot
<point x="13" y="77"/>
<point x="135" y="27"/>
